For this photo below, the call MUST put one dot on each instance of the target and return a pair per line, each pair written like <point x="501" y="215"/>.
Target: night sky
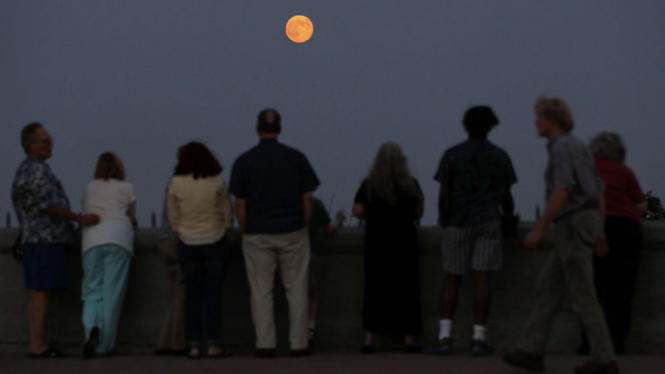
<point x="142" y="78"/>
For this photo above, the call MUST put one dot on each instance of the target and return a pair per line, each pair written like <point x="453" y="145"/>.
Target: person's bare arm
<point x="173" y="211"/>
<point x="241" y="213"/>
<point x="308" y="206"/>
<point x="641" y="207"/>
<point x="601" y="247"/>
<point x="554" y="206"/>
<point x="444" y="205"/>
<point x="67" y="215"/>
<point x="420" y="210"/>
<point x="358" y="210"/>
<point x="131" y="213"/>
<point x="340" y="216"/>
<point x="508" y="203"/>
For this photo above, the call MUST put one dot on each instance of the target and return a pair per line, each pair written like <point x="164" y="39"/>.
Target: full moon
<point x="299" y="29"/>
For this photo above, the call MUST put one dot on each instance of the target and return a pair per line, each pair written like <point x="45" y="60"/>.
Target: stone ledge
<point x="348" y="238"/>
<point x="340" y="322"/>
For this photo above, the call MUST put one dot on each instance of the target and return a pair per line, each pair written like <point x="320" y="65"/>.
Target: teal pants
<point x="103" y="288"/>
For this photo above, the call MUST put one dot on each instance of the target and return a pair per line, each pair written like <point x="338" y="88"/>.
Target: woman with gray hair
<point x="625" y="203"/>
<point x="391" y="203"/>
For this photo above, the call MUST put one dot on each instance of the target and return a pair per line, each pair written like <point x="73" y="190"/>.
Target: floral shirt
<point x="35" y="190"/>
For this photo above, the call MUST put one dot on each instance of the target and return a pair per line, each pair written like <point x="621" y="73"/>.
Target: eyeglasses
<point x="45" y="141"/>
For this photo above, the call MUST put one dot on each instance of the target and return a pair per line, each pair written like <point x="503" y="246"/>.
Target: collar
<point x="554" y="138"/>
<point x="33" y="158"/>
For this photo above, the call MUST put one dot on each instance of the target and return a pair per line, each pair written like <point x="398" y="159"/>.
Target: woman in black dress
<point x="391" y="203"/>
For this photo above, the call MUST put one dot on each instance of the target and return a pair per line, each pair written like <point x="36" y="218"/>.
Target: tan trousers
<point x="568" y="274"/>
<point x="262" y="253"/>
<point x="172" y="335"/>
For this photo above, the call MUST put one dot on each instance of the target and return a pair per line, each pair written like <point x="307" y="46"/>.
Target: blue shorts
<point x="45" y="266"/>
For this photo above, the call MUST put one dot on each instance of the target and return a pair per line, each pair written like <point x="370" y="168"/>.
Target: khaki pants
<point x="172" y="335"/>
<point x="568" y="273"/>
<point x="262" y="253"/>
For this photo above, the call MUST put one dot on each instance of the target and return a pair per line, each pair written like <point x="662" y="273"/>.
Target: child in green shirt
<point x="321" y="225"/>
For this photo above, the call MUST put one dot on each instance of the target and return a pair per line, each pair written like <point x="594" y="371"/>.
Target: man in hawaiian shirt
<point x="43" y="211"/>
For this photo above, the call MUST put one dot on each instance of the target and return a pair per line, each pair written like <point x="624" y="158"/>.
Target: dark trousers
<point x="615" y="276"/>
<point x="203" y="269"/>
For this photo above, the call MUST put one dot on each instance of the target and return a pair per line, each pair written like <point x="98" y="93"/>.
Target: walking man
<point x="43" y="212"/>
<point x="575" y="204"/>
<point x="475" y="177"/>
<point x="273" y="185"/>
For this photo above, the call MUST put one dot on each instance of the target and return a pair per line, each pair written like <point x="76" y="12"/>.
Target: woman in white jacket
<point x="107" y="250"/>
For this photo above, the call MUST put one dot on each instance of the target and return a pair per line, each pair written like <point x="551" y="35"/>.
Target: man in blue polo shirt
<point x="273" y="185"/>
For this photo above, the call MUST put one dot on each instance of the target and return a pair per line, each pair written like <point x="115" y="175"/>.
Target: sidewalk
<point x="319" y="363"/>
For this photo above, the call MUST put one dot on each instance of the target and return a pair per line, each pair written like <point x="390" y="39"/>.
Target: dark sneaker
<point x="311" y="337"/>
<point x="367" y="349"/>
<point x="595" y="367"/>
<point x="266" y="352"/>
<point x="525" y="360"/>
<point x="442" y="347"/>
<point x="91" y="343"/>
<point x="480" y="348"/>
<point x="412" y="348"/>
<point x="301" y="352"/>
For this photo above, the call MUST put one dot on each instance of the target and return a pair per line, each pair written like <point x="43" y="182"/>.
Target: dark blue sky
<point x="143" y="77"/>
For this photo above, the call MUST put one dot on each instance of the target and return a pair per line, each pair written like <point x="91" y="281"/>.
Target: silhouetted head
<point x="556" y="110"/>
<point x="36" y="141"/>
<point x="479" y="120"/>
<point x="109" y="166"/>
<point x="608" y="144"/>
<point x="390" y="174"/>
<point x="196" y="159"/>
<point x="269" y="122"/>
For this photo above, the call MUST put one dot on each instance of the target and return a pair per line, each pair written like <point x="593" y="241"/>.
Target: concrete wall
<point x="339" y="326"/>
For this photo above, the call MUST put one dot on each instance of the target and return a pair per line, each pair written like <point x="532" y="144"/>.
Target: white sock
<point x="479" y="332"/>
<point x="444" y="328"/>
<point x="312" y="325"/>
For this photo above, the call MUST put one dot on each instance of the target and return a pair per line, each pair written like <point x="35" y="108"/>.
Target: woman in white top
<point x="200" y="213"/>
<point x="106" y="253"/>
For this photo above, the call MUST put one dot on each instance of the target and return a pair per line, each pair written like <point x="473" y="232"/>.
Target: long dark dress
<point x="392" y="292"/>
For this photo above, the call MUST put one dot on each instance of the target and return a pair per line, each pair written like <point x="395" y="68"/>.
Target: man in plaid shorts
<point x="475" y="178"/>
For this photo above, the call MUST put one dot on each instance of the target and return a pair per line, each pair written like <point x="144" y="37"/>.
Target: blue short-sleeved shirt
<point x="272" y="178"/>
<point x="35" y="190"/>
<point x="478" y="175"/>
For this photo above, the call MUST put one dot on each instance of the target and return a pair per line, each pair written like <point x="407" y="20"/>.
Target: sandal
<point x="49" y="353"/>
<point x="194" y="355"/>
<point x="221" y="354"/>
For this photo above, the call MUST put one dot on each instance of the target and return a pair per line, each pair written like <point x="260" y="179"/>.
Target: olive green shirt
<point x="320" y="220"/>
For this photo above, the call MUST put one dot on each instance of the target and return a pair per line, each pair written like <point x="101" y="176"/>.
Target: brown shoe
<point x="595" y="367"/>
<point x="525" y="360"/>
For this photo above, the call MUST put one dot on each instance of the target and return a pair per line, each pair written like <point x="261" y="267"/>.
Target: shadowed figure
<point x="391" y="203"/>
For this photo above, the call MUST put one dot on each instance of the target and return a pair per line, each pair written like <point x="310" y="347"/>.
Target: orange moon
<point x="299" y="29"/>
